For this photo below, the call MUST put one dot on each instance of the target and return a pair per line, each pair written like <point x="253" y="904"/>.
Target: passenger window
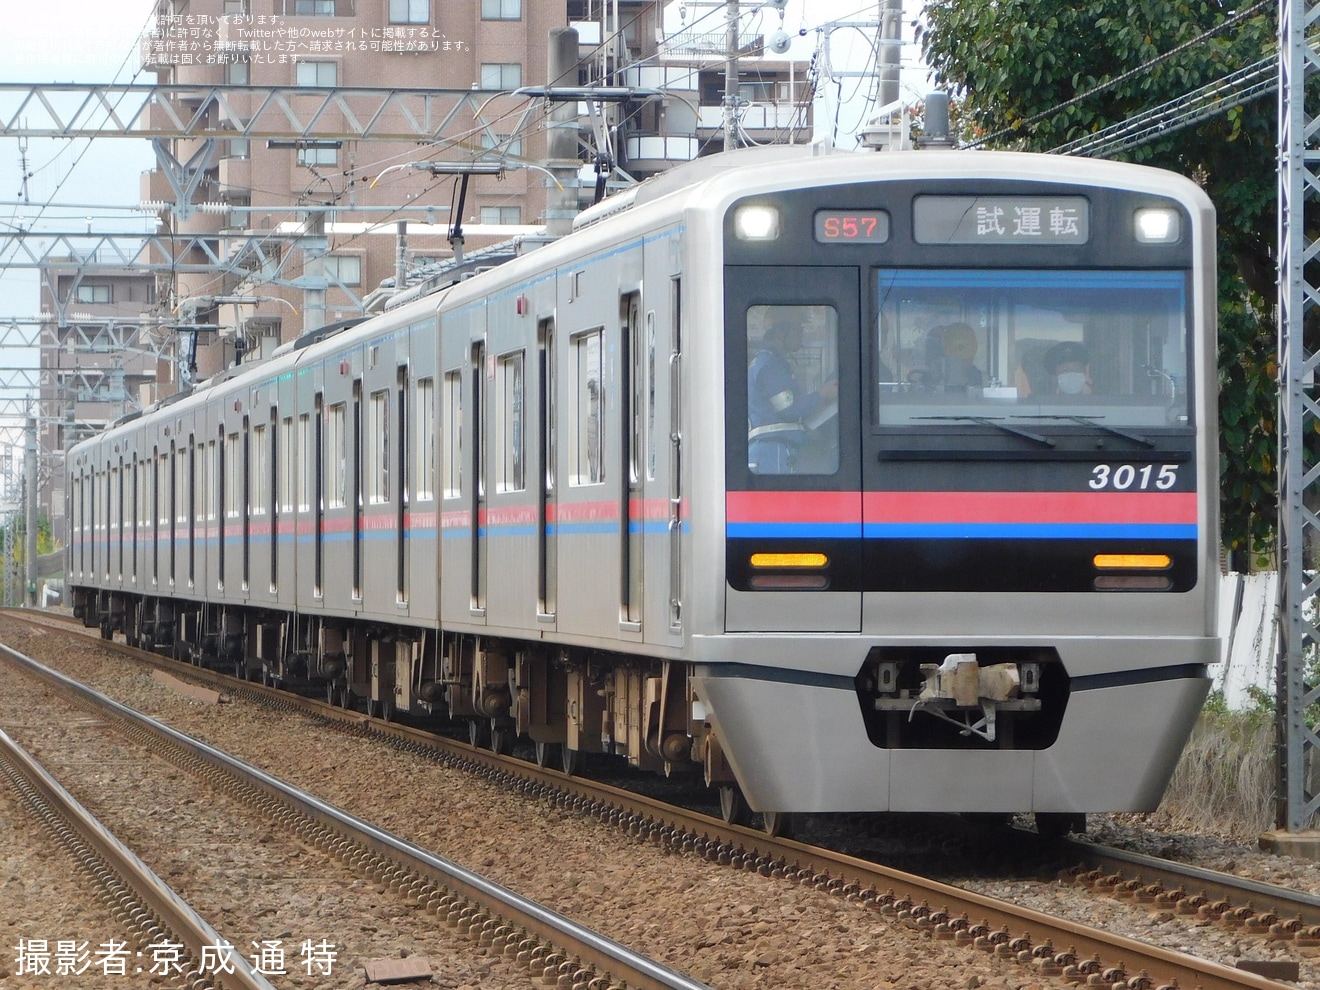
<point x="510" y="425"/>
<point x="588" y="438"/>
<point x="257" y="472"/>
<point x="453" y="413"/>
<point x="378" y="448"/>
<point x="424" y="437"/>
<point x="336" y="468"/>
<point x="792" y="390"/>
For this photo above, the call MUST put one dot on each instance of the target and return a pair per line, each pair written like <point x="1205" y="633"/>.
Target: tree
<point x="1029" y="75"/>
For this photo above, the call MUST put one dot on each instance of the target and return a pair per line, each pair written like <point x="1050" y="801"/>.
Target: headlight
<point x="1157" y="225"/>
<point x="756" y="223"/>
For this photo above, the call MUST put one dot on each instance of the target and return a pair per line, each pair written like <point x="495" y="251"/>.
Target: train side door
<point x="420" y="555"/>
<point x="476" y="489"/>
<point x="632" y="509"/>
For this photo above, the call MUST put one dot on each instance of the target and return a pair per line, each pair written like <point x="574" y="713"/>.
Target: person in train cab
<point x="952" y="353"/>
<point x="777" y="405"/>
<point x="1068" y="365"/>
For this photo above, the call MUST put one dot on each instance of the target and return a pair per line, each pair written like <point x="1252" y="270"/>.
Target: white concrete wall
<point x="1249" y="633"/>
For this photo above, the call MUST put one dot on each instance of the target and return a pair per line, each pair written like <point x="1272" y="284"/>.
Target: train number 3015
<point x="1127" y="476"/>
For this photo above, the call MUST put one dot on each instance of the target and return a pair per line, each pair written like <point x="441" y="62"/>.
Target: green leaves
<point x="1015" y="60"/>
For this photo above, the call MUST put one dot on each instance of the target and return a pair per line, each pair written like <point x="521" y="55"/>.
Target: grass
<point x="1224" y="785"/>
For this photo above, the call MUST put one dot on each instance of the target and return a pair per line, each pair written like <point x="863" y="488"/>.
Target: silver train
<point x="855" y="482"/>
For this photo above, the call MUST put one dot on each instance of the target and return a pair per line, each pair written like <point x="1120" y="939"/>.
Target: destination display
<point x="1001" y="219"/>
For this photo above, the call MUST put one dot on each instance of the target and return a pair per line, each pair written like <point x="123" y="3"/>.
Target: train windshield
<point x="1042" y="346"/>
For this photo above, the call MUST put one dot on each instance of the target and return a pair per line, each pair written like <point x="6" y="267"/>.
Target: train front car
<point x="970" y="555"/>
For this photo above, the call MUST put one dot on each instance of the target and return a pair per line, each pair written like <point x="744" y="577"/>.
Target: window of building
<point x="509" y="427"/>
<point x="336" y="468"/>
<point x="238" y="73"/>
<point x="588" y="437"/>
<point x="378" y="448"/>
<point x="317" y="74"/>
<point x="344" y="268"/>
<point x="504" y="143"/>
<point x="424" y="461"/>
<point x="501" y="214"/>
<point x="236" y="8"/>
<point x="453" y="420"/>
<point x="410" y="11"/>
<point x="319" y="8"/>
<point x="501" y="75"/>
<point x="319" y="154"/>
<point x="501" y="10"/>
<point x="94" y="294"/>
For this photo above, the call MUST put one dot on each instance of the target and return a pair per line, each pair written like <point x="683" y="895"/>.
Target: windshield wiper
<point x="1095" y="421"/>
<point x="985" y="421"/>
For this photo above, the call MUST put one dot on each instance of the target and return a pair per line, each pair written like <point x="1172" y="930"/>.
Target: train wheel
<point x="346" y="697"/>
<point x="387" y="710"/>
<point x="107" y="630"/>
<point x="477" y="732"/>
<point x="568" y="760"/>
<point x="1056" y="825"/>
<point x="733" y="806"/>
<point x="546" y="752"/>
<point x="777" y="824"/>
<point x="331" y="695"/>
<point x="501" y="741"/>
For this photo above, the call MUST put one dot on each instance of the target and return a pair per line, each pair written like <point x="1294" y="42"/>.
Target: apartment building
<point x="99" y="360"/>
<point x="308" y="224"/>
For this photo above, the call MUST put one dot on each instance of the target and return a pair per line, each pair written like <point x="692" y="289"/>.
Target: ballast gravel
<point x="723" y="927"/>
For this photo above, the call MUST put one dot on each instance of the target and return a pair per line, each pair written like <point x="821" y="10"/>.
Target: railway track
<point x="546" y="945"/>
<point x="151" y="913"/>
<point x="1055" y="948"/>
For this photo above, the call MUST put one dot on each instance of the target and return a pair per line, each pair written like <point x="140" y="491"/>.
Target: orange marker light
<point x="1133" y="561"/>
<point x="789" y="560"/>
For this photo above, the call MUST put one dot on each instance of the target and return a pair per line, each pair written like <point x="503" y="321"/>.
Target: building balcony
<point x="657" y="152"/>
<point x="671" y="78"/>
<point x="756" y="117"/>
<point x="235" y="176"/>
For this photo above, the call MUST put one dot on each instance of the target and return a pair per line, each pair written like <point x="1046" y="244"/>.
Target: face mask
<point x="1072" y="383"/>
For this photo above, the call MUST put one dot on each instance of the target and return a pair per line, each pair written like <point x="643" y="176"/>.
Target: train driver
<point x="1069" y="366"/>
<point x="777" y="406"/>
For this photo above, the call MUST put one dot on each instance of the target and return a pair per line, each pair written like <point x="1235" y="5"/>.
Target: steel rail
<point x="169" y="909"/>
<point x="593" y="949"/>
<point x="1219" y="886"/>
<point x="918" y="900"/>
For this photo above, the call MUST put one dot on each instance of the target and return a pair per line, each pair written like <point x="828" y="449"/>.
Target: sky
<point x="97" y="41"/>
<point x="68" y="41"/>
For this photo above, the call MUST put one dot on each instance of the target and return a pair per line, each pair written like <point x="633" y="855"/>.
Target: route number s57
<point x="1129" y="477"/>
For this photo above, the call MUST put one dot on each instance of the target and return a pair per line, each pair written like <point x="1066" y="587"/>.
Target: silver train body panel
<point x="624" y="558"/>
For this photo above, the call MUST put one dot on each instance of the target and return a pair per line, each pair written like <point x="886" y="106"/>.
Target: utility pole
<point x="561" y="204"/>
<point x="30" y="500"/>
<point x="731" y="77"/>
